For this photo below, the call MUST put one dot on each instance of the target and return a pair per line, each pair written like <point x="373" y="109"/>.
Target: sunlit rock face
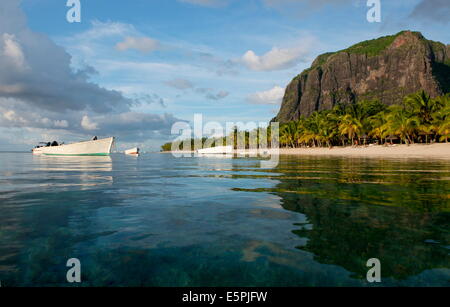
<point x="386" y="69"/>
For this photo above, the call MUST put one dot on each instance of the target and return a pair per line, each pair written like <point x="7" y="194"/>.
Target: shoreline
<point x="441" y="151"/>
<point x="437" y="150"/>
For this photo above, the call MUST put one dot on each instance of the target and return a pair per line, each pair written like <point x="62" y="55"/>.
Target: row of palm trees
<point x="419" y="118"/>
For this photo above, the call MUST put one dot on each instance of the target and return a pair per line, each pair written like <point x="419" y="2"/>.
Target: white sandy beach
<point x="434" y="151"/>
<point x="441" y="151"/>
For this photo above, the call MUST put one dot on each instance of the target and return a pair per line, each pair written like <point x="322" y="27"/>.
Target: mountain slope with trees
<point x="385" y="69"/>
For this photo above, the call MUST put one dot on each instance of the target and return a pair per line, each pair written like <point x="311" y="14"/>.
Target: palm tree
<point x="441" y="118"/>
<point x="350" y="127"/>
<point x="422" y="105"/>
<point x="299" y="130"/>
<point x="426" y="129"/>
<point x="329" y="127"/>
<point x="307" y="137"/>
<point x="378" y="126"/>
<point x="313" y="124"/>
<point x="288" y="133"/>
<point x="418" y="114"/>
<point x="327" y="132"/>
<point x="401" y="123"/>
<point x="444" y="130"/>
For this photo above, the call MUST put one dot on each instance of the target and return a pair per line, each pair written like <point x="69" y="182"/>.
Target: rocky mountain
<point x="387" y="69"/>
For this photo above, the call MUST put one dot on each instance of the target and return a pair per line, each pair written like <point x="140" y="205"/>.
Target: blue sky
<point x="133" y="68"/>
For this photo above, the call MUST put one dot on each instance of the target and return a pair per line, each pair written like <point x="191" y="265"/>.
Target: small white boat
<point x="132" y="151"/>
<point x="93" y="147"/>
<point x="219" y="150"/>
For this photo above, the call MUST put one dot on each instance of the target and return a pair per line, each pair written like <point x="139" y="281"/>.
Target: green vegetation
<point x="239" y="139"/>
<point x="189" y="144"/>
<point x="372" y="47"/>
<point x="321" y="59"/>
<point x="418" y="119"/>
<point x="442" y="74"/>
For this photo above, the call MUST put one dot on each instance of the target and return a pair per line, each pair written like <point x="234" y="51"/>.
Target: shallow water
<point x="157" y="220"/>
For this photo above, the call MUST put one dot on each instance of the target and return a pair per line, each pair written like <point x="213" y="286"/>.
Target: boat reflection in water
<point x="70" y="171"/>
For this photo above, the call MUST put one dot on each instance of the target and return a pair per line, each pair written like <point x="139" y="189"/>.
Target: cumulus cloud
<point x="142" y="44"/>
<point x="271" y="97"/>
<point x="88" y="124"/>
<point x="276" y="59"/>
<point x="15" y="113"/>
<point x="38" y="72"/>
<point x="432" y="10"/>
<point x="13" y="51"/>
<point x="131" y="125"/>
<point x="39" y="89"/>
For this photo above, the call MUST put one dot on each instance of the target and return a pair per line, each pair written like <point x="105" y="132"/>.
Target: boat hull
<point x="133" y="151"/>
<point x="89" y="148"/>
<point x="220" y="150"/>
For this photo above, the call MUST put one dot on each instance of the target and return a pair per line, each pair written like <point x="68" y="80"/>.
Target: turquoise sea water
<point x="157" y="220"/>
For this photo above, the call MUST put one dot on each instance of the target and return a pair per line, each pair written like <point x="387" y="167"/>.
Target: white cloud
<point x="277" y="58"/>
<point x="50" y="95"/>
<point x="11" y="116"/>
<point x="99" y="30"/>
<point x="13" y="51"/>
<point x="15" y="113"/>
<point x="88" y="124"/>
<point x="143" y="44"/>
<point x="272" y="96"/>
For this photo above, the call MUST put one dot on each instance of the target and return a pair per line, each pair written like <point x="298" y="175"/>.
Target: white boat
<point x="132" y="151"/>
<point x="220" y="150"/>
<point x="93" y="147"/>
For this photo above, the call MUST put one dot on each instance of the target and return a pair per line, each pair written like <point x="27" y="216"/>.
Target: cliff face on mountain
<point x="387" y="69"/>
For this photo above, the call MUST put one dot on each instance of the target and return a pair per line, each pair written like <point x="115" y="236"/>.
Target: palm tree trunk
<point x="410" y="140"/>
